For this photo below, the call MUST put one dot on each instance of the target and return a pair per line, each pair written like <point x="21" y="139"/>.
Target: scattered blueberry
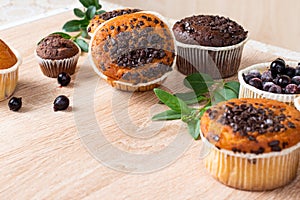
<point x="256" y="82"/>
<point x="63" y="79"/>
<point x="290" y="71"/>
<point x="15" y="103"/>
<point x="248" y="77"/>
<point x="297" y="71"/>
<point x="255" y="73"/>
<point x="266" y="76"/>
<point x="278" y="66"/>
<point x="61" y="103"/>
<point x="296" y="80"/>
<point x="283" y="80"/>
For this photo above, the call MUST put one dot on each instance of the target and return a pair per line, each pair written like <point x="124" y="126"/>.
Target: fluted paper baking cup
<point x="248" y="91"/>
<point x="219" y="62"/>
<point x="297" y="103"/>
<point x="250" y="171"/>
<point x="52" y="68"/>
<point x="9" y="77"/>
<point x="126" y="86"/>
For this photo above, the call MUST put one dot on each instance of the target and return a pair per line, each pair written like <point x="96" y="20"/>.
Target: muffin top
<point x="56" y="47"/>
<point x="251" y="125"/>
<point x="7" y="57"/>
<point x="134" y="48"/>
<point x="209" y="30"/>
<point x="99" y="19"/>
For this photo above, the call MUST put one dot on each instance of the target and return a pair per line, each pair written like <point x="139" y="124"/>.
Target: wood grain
<point x="42" y="156"/>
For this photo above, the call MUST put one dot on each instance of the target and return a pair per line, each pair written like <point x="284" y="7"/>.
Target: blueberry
<point x="255" y="73"/>
<point x="290" y="71"/>
<point x="61" y="103"/>
<point x="256" y="82"/>
<point x="266" y="76"/>
<point x="275" y="89"/>
<point x="267" y="85"/>
<point x="297" y="71"/>
<point x="296" y="80"/>
<point x="15" y="103"/>
<point x="291" y="89"/>
<point x="63" y="79"/>
<point x="283" y="80"/>
<point x="248" y="77"/>
<point x="277" y="66"/>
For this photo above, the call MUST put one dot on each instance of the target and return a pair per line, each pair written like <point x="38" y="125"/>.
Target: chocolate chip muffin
<point x="134" y="51"/>
<point x="56" y="54"/>
<point x="252" y="140"/>
<point x="10" y="60"/>
<point x="217" y="41"/>
<point x="99" y="19"/>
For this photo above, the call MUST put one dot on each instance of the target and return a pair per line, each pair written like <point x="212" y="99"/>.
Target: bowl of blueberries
<point x="277" y="80"/>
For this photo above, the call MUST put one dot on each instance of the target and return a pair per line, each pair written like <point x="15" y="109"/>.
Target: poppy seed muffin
<point x="252" y="140"/>
<point x="217" y="41"/>
<point x="99" y="19"/>
<point x="133" y="50"/>
<point x="56" y="54"/>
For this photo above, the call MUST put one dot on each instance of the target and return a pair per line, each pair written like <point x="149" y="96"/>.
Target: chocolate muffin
<point x="133" y="50"/>
<point x="252" y="140"/>
<point x="208" y="30"/>
<point x="209" y="44"/>
<point x="56" y="54"/>
<point x="99" y="19"/>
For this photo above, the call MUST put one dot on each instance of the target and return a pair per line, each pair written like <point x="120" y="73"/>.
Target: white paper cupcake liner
<point x="52" y="68"/>
<point x="297" y="103"/>
<point x="219" y="62"/>
<point x="250" y="171"/>
<point x="125" y="86"/>
<point x="248" y="91"/>
<point x="9" y="77"/>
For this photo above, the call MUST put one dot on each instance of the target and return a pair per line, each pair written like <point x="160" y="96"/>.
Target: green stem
<point x="76" y="36"/>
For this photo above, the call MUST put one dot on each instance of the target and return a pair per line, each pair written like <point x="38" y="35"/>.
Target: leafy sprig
<point x="204" y="90"/>
<point x="91" y="8"/>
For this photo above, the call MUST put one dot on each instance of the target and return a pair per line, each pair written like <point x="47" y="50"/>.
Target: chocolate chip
<point x="274" y="143"/>
<point x="275" y="148"/>
<point x="112" y="27"/>
<point x="251" y="138"/>
<point x="156" y="21"/>
<point x="259" y="151"/>
<point x="291" y="125"/>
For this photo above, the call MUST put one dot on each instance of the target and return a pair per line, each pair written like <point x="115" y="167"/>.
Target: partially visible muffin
<point x="99" y="19"/>
<point x="251" y="141"/>
<point x="10" y="60"/>
<point x="217" y="41"/>
<point x="134" y="51"/>
<point x="57" y="54"/>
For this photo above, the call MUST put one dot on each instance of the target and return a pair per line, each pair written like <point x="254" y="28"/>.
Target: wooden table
<point x="103" y="146"/>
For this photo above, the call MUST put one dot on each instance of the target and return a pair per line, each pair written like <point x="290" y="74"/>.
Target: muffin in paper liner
<point x="248" y="91"/>
<point x="137" y="86"/>
<point x="52" y="67"/>
<point x="219" y="62"/>
<point x="250" y="171"/>
<point x="9" y="77"/>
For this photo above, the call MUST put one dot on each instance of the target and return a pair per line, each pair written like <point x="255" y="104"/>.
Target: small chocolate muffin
<point x="99" y="19"/>
<point x="208" y="30"/>
<point x="56" y="54"/>
<point x="56" y="47"/>
<point x="209" y="44"/>
<point x="137" y="48"/>
<point x="254" y="143"/>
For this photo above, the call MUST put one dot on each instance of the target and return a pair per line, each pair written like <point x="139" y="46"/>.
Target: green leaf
<point x="223" y="94"/>
<point x="90" y="12"/>
<point x="194" y="128"/>
<point x="100" y="12"/>
<point x="82" y="44"/>
<point x="233" y="85"/>
<point x="172" y="102"/>
<point x="73" y="25"/>
<point x="85" y="34"/>
<point x="62" y="34"/>
<point x="97" y="5"/>
<point x="199" y="82"/>
<point x="78" y="12"/>
<point x="85" y="3"/>
<point x="167" y="115"/>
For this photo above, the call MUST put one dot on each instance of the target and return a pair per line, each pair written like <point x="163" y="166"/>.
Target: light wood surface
<point x="42" y="155"/>
<point x="270" y="21"/>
